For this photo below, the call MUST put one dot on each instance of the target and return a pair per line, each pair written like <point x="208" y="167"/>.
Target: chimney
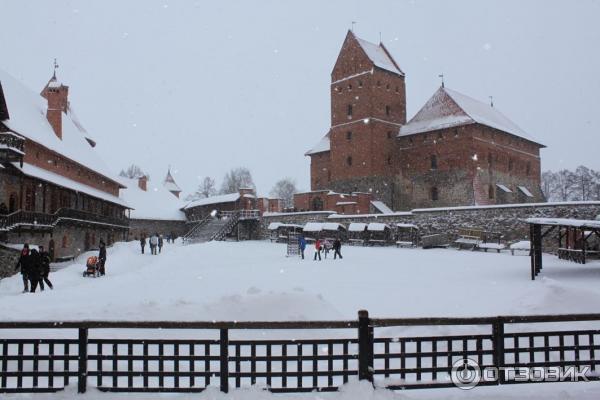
<point x="57" y="95"/>
<point x="142" y="182"/>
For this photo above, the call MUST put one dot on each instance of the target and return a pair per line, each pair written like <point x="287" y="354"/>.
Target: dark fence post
<point x="83" y="359"/>
<point x="498" y="337"/>
<point x="365" y="346"/>
<point x="224" y="357"/>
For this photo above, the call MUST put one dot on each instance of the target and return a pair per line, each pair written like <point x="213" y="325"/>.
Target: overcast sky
<point x="205" y="86"/>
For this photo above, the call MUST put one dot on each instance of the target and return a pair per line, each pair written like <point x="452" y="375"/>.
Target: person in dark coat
<point x="337" y="247"/>
<point x="160" y="243"/>
<point x="45" y="260"/>
<point x="102" y="257"/>
<point x="35" y="270"/>
<point x="143" y="243"/>
<point x="23" y="263"/>
<point x="302" y="245"/>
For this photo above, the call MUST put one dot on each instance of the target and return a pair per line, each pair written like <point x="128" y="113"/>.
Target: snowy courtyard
<point x="255" y="281"/>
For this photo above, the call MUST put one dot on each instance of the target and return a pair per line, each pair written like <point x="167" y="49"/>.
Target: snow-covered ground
<point x="255" y="281"/>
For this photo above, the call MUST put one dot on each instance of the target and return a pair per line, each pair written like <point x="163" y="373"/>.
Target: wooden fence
<point x="175" y="364"/>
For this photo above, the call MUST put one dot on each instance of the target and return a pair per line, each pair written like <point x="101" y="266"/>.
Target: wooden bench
<point x="491" y="246"/>
<point x="523" y="245"/>
<point x="469" y="238"/>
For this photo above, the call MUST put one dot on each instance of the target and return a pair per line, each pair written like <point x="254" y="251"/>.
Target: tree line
<point x="233" y="181"/>
<point x="565" y="185"/>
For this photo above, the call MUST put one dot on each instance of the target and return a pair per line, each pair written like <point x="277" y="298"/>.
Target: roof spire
<point x="352" y="28"/>
<point x="441" y="76"/>
<point x="380" y="41"/>
<point x="491" y="101"/>
<point x="55" y="68"/>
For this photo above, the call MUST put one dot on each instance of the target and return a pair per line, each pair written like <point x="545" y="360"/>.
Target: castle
<point x="456" y="151"/>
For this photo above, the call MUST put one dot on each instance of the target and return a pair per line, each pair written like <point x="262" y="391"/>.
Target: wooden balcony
<point x="12" y="148"/>
<point x="46" y="222"/>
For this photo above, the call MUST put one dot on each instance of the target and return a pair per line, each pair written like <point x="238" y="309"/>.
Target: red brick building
<point x="54" y="188"/>
<point x="454" y="151"/>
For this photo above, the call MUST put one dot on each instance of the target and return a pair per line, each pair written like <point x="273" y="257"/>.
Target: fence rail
<point x="171" y="363"/>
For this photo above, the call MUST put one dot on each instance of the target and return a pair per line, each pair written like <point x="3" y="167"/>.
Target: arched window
<point x="434" y="193"/>
<point x="434" y="161"/>
<point x="491" y="191"/>
<point x="317" y="204"/>
<point x="349" y="161"/>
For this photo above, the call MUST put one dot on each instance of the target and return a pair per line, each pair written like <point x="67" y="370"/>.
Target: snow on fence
<point x="170" y="363"/>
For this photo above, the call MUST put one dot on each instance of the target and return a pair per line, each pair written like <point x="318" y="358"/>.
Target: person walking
<point x="35" y="270"/>
<point x="143" y="243"/>
<point x="302" y="245"/>
<point x="45" y="271"/>
<point x="23" y="263"/>
<point x="160" y="243"/>
<point x="102" y="258"/>
<point x="337" y="247"/>
<point x="326" y="247"/>
<point x="153" y="244"/>
<point x="317" y="250"/>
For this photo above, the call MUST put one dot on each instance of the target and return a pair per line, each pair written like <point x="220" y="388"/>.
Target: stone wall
<point x="8" y="260"/>
<point x="506" y="220"/>
<point x="147" y="227"/>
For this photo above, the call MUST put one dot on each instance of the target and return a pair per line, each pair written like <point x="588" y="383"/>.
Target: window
<point x="389" y="160"/>
<point x="434" y="194"/>
<point x="440" y="135"/>
<point x="456" y="133"/>
<point x="317" y="204"/>
<point x="378" y="83"/>
<point x="397" y="89"/>
<point x="387" y="87"/>
<point x="349" y="161"/>
<point x="359" y="84"/>
<point x="338" y="89"/>
<point x="491" y="191"/>
<point x="349" y="111"/>
<point x="349" y="86"/>
<point x="349" y="135"/>
<point x="434" y="161"/>
<point x="410" y="140"/>
<point x="389" y="134"/>
<point x="388" y="110"/>
<point x="528" y="168"/>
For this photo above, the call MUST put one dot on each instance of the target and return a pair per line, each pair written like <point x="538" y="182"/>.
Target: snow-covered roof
<point x="578" y="223"/>
<point x="377" y="227"/>
<point x="51" y="177"/>
<point x="525" y="191"/>
<point x="332" y="226"/>
<point x="275" y="225"/>
<point x="504" y="188"/>
<point x="403" y="225"/>
<point x="157" y="202"/>
<point x="357" y="227"/>
<point x="27" y="111"/>
<point x="381" y="207"/>
<point x="323" y="145"/>
<point x="448" y="108"/>
<point x="313" y="227"/>
<point x="379" y="56"/>
<point x="169" y="183"/>
<point x="224" y="198"/>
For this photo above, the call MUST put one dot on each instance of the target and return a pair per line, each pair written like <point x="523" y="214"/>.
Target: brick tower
<point x="368" y="106"/>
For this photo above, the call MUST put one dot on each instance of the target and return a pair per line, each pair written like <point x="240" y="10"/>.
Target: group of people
<point x="35" y="268"/>
<point x="324" y="246"/>
<point x="156" y="243"/>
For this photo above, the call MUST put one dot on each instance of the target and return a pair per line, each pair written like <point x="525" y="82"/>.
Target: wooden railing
<point x="44" y="220"/>
<point x="170" y="363"/>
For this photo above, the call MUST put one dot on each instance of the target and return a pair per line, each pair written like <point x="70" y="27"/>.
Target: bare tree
<point x="133" y="172"/>
<point x="206" y="189"/>
<point x="548" y="185"/>
<point x="565" y="185"/>
<point x="237" y="179"/>
<point x="584" y="181"/>
<point x="284" y="189"/>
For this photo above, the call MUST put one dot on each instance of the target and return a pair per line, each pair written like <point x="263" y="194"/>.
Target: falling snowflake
<point x="487" y="47"/>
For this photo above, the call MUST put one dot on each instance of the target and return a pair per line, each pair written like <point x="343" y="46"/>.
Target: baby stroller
<point x="92" y="267"/>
